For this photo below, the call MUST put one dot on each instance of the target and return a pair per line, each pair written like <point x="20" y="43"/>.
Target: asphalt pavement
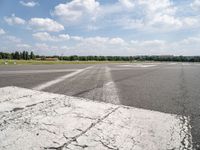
<point x="172" y="88"/>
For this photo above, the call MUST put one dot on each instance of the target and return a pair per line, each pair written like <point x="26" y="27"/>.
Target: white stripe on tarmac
<point x="138" y="65"/>
<point x="60" y="79"/>
<point x="37" y="71"/>
<point x="110" y="92"/>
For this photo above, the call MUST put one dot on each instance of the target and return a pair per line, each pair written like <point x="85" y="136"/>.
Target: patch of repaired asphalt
<point x="39" y="120"/>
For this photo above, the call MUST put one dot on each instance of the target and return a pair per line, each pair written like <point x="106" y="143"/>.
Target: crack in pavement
<point x="107" y="145"/>
<point x="69" y="123"/>
<point x="83" y="132"/>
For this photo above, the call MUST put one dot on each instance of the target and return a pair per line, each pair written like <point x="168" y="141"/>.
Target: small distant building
<point x="38" y="59"/>
<point x="47" y="59"/>
<point x="51" y="59"/>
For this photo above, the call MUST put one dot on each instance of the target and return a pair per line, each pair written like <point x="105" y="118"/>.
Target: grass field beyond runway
<point x="39" y="62"/>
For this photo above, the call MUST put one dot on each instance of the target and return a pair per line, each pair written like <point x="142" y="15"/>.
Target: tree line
<point x="25" y="55"/>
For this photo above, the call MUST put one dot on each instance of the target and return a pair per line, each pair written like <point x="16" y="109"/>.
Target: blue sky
<point x="101" y="27"/>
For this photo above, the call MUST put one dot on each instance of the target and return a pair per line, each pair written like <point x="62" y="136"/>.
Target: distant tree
<point x="21" y="55"/>
<point x="82" y="58"/>
<point x="73" y="58"/>
<point x="16" y="55"/>
<point x="32" y="56"/>
<point x="8" y="56"/>
<point x="26" y="55"/>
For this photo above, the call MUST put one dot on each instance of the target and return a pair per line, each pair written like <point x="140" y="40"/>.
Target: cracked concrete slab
<point x="32" y="119"/>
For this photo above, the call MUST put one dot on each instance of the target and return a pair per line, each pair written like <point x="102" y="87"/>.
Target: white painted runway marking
<point x="186" y="64"/>
<point x="59" y="79"/>
<point x="172" y="63"/>
<point x="107" y="92"/>
<point x="120" y="69"/>
<point x="110" y="92"/>
<point x="26" y="123"/>
<point x="138" y="65"/>
<point x="37" y="71"/>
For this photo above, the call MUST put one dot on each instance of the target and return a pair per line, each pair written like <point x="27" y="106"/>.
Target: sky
<point x="101" y="27"/>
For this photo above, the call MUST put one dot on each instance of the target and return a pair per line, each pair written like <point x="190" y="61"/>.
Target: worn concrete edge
<point x="92" y="101"/>
<point x="115" y="110"/>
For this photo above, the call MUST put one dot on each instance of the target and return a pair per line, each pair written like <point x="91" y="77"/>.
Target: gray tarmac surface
<point x="165" y="87"/>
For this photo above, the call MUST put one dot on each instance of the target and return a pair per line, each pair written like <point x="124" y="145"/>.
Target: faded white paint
<point x="110" y="92"/>
<point x="59" y="79"/>
<point x="58" y="121"/>
<point x="37" y="71"/>
<point x="172" y="63"/>
<point x="139" y="65"/>
<point x="187" y="64"/>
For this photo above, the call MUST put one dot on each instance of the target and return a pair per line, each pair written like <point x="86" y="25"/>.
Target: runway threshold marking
<point x="59" y="79"/>
<point x="79" y="122"/>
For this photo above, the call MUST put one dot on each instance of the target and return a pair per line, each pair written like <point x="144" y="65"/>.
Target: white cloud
<point x="44" y="36"/>
<point x="148" y="15"/>
<point x="128" y="23"/>
<point x="143" y="19"/>
<point x="63" y="37"/>
<point x="14" y="20"/>
<point x="149" y="47"/>
<point x="146" y="42"/>
<point x="134" y="42"/>
<point x="153" y="43"/>
<point x="160" y="15"/>
<point x="162" y="6"/>
<point x="98" y="40"/>
<point x="45" y="24"/>
<point x="191" y="40"/>
<point x="127" y="3"/>
<point x="44" y="49"/>
<point x="95" y="40"/>
<point x="117" y="41"/>
<point x="195" y="4"/>
<point x="190" y="21"/>
<point x="29" y="4"/>
<point x="117" y="46"/>
<point x="13" y="39"/>
<point x="165" y="20"/>
<point x="76" y="10"/>
<point x="99" y="46"/>
<point x="77" y="38"/>
<point x="92" y="28"/>
<point x="2" y="31"/>
<point x="42" y="46"/>
<point x="188" y="46"/>
<point x="23" y="46"/>
<point x="103" y="46"/>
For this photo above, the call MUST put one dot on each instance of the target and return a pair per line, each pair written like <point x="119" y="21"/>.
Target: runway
<point x="172" y="88"/>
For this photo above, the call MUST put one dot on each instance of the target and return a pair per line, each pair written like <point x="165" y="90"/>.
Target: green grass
<point x="40" y="62"/>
